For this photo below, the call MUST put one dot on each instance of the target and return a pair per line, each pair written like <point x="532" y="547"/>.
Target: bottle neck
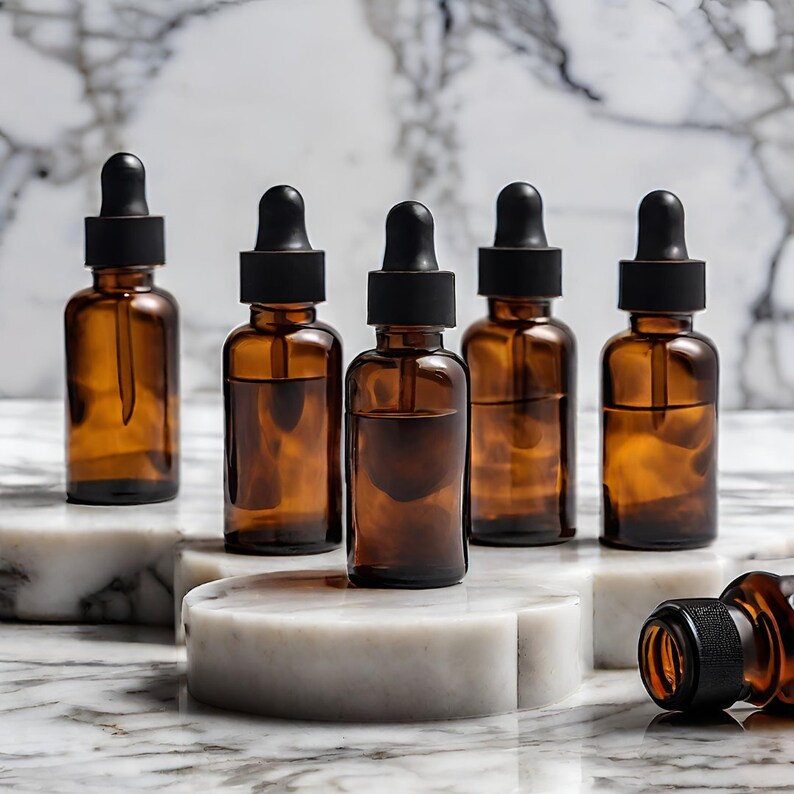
<point x="391" y="339"/>
<point x="518" y="309"/>
<point x="282" y="314"/>
<point x="688" y="658"/>
<point x="664" y="324"/>
<point x="123" y="279"/>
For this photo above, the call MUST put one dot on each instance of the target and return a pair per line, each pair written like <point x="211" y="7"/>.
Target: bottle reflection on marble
<point x="709" y="653"/>
<point x="703" y="725"/>
<point x="122" y="378"/>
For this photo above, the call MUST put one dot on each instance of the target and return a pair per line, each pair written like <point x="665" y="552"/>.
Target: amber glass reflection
<point x="662" y="661"/>
<point x="407" y="462"/>
<point x="283" y="398"/>
<point x="523" y="423"/>
<point x="767" y="602"/>
<point x="122" y="393"/>
<point x="659" y="436"/>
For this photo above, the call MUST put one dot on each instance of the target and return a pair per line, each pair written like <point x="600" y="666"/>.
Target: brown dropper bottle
<point x="659" y="396"/>
<point x="523" y="386"/>
<point x="407" y="415"/>
<point x="282" y="385"/>
<point x="709" y="653"/>
<point x="122" y="349"/>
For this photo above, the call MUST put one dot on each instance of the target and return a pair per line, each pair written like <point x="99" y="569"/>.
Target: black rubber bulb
<point x="123" y="187"/>
<point x="519" y="217"/>
<point x="660" y="234"/>
<point x="282" y="221"/>
<point x="409" y="238"/>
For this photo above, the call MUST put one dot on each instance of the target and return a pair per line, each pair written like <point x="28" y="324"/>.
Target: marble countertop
<point x="105" y="708"/>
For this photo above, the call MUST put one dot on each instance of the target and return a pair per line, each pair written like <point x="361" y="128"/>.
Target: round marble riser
<point x="617" y="589"/>
<point x="306" y="645"/>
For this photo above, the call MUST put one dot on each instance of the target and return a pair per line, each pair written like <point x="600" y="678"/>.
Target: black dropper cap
<point x="283" y="267"/>
<point x="520" y="264"/>
<point x="662" y="277"/>
<point x="124" y="234"/>
<point x="710" y="667"/>
<point x="410" y="290"/>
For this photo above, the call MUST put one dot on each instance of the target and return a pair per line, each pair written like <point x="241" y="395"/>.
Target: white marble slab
<point x="61" y="562"/>
<point x="199" y="562"/>
<point x="618" y="589"/>
<point x="116" y="564"/>
<point x="308" y="645"/>
<point x="100" y="708"/>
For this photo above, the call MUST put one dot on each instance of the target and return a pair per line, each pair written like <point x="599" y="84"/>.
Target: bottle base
<point x="517" y="531"/>
<point x="372" y="576"/>
<point x="121" y="492"/>
<point x="671" y="545"/>
<point x="234" y="544"/>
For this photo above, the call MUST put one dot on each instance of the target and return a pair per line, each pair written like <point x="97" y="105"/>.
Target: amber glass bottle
<point x="523" y="386"/>
<point x="282" y="383"/>
<point x="122" y="349"/>
<point x="659" y="396"/>
<point x="709" y="653"/>
<point x="408" y="422"/>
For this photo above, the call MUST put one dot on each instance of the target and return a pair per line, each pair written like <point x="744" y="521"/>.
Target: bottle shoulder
<point x="410" y="381"/>
<point x="313" y="335"/>
<point x="441" y="358"/>
<point x="155" y="302"/>
<point x="546" y="331"/>
<point x="691" y="345"/>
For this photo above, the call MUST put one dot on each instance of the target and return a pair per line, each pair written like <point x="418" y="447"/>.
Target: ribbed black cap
<point x="520" y="264"/>
<point x="283" y="267"/>
<point x="410" y="290"/>
<point x="713" y="659"/>
<point x="662" y="277"/>
<point x="124" y="234"/>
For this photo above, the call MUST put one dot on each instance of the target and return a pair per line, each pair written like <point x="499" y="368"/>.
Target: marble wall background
<point x="362" y="103"/>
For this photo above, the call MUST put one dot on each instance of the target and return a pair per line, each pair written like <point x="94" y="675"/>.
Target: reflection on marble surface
<point x="375" y="101"/>
<point x="105" y="708"/>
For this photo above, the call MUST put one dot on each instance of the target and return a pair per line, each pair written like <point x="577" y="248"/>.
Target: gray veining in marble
<point x="443" y="100"/>
<point x="118" y="564"/>
<point x="99" y="708"/>
<point x="105" y="709"/>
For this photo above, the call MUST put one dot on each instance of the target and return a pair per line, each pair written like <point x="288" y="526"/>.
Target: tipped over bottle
<point x="122" y="365"/>
<point x="523" y="385"/>
<point x="701" y="654"/>
<point x="408" y="422"/>
<point x="659" y="396"/>
<point x="282" y="381"/>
